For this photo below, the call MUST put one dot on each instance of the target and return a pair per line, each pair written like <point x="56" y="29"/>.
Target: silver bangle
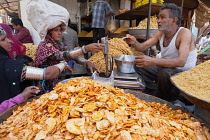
<point x="61" y="66"/>
<point x="33" y="73"/>
<point x="83" y="49"/>
<point x="75" y="53"/>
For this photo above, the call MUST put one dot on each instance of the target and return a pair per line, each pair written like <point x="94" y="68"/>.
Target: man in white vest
<point x="178" y="54"/>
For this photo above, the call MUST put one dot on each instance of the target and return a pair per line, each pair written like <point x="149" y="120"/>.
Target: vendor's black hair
<point x="24" y="58"/>
<point x="17" y="21"/>
<point x="208" y="33"/>
<point x="174" y="10"/>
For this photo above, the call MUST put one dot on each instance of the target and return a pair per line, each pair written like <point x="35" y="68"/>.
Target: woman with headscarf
<point x="12" y="72"/>
<point x="51" y="51"/>
<point x="17" y="46"/>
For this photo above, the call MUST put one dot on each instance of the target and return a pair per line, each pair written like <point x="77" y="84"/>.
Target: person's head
<point x="17" y="23"/>
<point x="169" y="16"/>
<point x="8" y="30"/>
<point x="5" y="43"/>
<point x="26" y="59"/>
<point x="56" y="32"/>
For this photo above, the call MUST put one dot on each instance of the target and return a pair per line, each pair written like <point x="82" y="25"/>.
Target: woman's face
<point x="56" y="33"/>
<point x="5" y="42"/>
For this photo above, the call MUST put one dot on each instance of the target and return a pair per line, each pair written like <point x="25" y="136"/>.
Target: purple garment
<point x="11" y="102"/>
<point x="24" y="35"/>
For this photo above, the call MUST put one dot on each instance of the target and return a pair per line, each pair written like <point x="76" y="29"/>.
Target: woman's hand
<point x="30" y="91"/>
<point x="94" y="47"/>
<point x="92" y="67"/>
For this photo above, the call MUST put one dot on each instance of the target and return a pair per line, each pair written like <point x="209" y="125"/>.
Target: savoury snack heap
<point x="85" y="110"/>
<point x="195" y="81"/>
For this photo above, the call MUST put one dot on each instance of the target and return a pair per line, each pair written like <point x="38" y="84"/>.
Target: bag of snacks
<point x="110" y="26"/>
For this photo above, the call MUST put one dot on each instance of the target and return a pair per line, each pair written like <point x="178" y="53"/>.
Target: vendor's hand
<point x="130" y="39"/>
<point x="92" y="67"/>
<point x="94" y="47"/>
<point x="143" y="61"/>
<point x="204" y="56"/>
<point x="30" y="91"/>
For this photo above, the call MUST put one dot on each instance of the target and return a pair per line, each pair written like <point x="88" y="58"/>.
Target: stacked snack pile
<point x="117" y="46"/>
<point x="83" y="109"/>
<point x="121" y="29"/>
<point x="143" y="23"/>
<point x="31" y="50"/>
<point x="195" y="81"/>
<point x="90" y="34"/>
<point x="82" y="33"/>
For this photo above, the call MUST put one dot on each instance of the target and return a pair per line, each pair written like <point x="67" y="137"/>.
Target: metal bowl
<point x="125" y="63"/>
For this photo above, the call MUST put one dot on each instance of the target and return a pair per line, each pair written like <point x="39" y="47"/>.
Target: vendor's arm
<point x="142" y="47"/>
<point x="184" y="46"/>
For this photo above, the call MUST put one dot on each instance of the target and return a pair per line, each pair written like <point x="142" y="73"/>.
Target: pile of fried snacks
<point x="31" y="50"/>
<point x="82" y="109"/>
<point x="195" y="81"/>
<point x="143" y="24"/>
<point x="117" y="46"/>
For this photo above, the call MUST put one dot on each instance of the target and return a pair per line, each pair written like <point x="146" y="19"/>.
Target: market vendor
<point x="51" y="50"/>
<point x="12" y="72"/>
<point x="178" y="52"/>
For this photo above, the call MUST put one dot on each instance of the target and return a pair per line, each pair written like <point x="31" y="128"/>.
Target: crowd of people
<point x="22" y="77"/>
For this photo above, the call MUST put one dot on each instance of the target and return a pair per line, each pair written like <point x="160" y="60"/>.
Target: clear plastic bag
<point x="110" y="26"/>
<point x="104" y="80"/>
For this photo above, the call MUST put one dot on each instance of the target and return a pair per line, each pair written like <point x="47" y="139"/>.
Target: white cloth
<point x="204" y="41"/>
<point x="172" y="52"/>
<point x="45" y="15"/>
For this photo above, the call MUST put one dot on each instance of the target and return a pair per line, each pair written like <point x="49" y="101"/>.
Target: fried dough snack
<point x="195" y="81"/>
<point x="85" y="110"/>
<point x="31" y="50"/>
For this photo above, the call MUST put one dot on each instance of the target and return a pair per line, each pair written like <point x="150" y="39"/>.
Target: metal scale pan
<point x="202" y="107"/>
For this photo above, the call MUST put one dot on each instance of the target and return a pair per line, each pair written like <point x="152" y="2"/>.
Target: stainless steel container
<point x="125" y="63"/>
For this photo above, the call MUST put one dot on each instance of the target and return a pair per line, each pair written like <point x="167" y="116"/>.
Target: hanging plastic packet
<point x="107" y="81"/>
<point x="110" y="26"/>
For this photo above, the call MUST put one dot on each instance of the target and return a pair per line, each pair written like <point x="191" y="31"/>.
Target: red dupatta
<point x="17" y="46"/>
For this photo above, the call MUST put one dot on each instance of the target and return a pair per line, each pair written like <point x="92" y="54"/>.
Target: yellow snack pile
<point x="195" y="81"/>
<point x="143" y="23"/>
<point x="31" y="50"/>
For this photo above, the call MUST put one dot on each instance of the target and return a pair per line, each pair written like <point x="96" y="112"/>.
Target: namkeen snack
<point x="31" y="50"/>
<point x="82" y="109"/>
<point x="195" y="81"/>
<point x="143" y="24"/>
<point x="117" y="46"/>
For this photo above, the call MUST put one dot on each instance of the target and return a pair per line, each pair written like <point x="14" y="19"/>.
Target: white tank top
<point x="172" y="52"/>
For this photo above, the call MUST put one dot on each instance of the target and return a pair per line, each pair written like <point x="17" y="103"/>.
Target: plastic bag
<point x="104" y="80"/>
<point x="45" y="15"/>
<point x="110" y="26"/>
